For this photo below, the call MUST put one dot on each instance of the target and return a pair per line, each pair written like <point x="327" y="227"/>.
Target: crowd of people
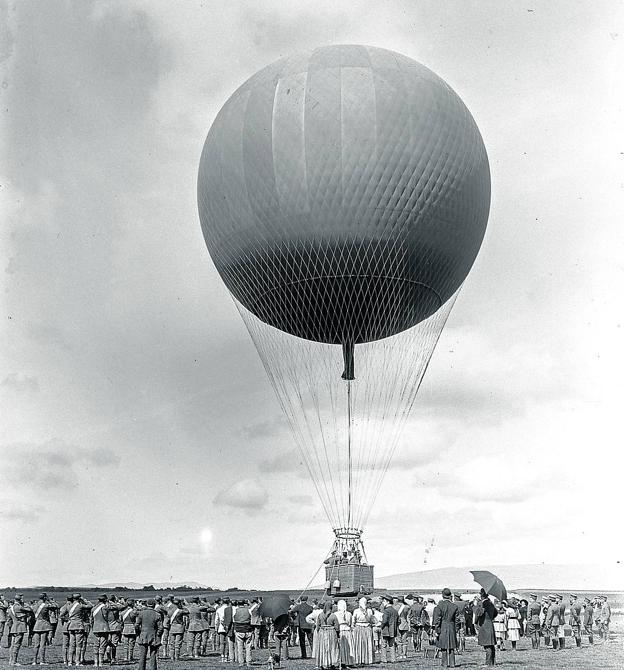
<point x="336" y="633"/>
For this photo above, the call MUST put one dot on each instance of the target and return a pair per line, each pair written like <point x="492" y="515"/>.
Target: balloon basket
<point x="347" y="572"/>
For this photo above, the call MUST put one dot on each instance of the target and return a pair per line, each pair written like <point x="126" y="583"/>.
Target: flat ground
<point x="606" y="656"/>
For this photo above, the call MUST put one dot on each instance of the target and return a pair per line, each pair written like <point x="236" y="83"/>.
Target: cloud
<point x="20" y="382"/>
<point x="301" y="498"/>
<point x="264" y="429"/>
<point x="246" y="494"/>
<point x="52" y="465"/>
<point x="285" y="461"/>
<point x="19" y="512"/>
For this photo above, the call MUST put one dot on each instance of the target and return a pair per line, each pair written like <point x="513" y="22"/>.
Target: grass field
<point x="606" y="656"/>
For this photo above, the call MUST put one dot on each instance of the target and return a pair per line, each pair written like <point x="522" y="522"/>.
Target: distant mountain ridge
<point x="137" y="586"/>
<point x="608" y="577"/>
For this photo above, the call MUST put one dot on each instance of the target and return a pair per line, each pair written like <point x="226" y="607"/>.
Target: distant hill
<point x="516" y="577"/>
<point x="137" y="586"/>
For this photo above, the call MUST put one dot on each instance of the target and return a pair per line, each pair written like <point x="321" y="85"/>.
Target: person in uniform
<point x="403" y="630"/>
<point x="588" y="620"/>
<point x="177" y="625"/>
<point x="562" y="612"/>
<point x="576" y="610"/>
<point x="553" y="622"/>
<point x="150" y="626"/>
<point x="389" y="629"/>
<point x="445" y="626"/>
<point x="416" y="621"/>
<point x="195" y="626"/>
<point x="605" y="619"/>
<point x="545" y="629"/>
<point x="129" y="630"/>
<point x="244" y="634"/>
<point x="64" y="619"/>
<point x="4" y="606"/>
<point x="534" y="610"/>
<point x="42" y="627"/>
<point x="169" y="606"/>
<point x="115" y="626"/>
<point x="100" y="629"/>
<point x="76" y="614"/>
<point x="18" y="613"/>
<point x="54" y="617"/>
<point x="485" y="613"/>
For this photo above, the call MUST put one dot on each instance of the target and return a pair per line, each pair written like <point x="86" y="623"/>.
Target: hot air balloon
<point x="343" y="196"/>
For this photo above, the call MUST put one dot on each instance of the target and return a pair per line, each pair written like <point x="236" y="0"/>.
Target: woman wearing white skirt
<point x="345" y="638"/>
<point x="362" y="622"/>
<point x="326" y="641"/>
<point x="513" y="625"/>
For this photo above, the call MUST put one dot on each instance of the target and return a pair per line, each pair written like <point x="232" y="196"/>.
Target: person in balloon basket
<point x="445" y="627"/>
<point x="300" y="611"/>
<point x="486" y="612"/>
<point x="389" y="629"/>
<point x="150" y="629"/>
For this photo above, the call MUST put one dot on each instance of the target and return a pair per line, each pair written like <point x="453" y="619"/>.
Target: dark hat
<point x="387" y="598"/>
<point x="457" y="595"/>
<point x="573" y="595"/>
<point x="304" y="599"/>
<point x="401" y="599"/>
<point x="43" y="596"/>
<point x="446" y="593"/>
<point x="559" y="595"/>
<point x="103" y="598"/>
<point x="76" y="595"/>
<point x="150" y="602"/>
<point x="409" y="596"/>
<point x="533" y="595"/>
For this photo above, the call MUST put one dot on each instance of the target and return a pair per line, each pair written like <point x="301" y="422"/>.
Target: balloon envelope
<point x="344" y="193"/>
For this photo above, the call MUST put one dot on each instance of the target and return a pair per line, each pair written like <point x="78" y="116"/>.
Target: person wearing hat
<point x="460" y="629"/>
<point x="588" y="620"/>
<point x="417" y="622"/>
<point x="575" y="620"/>
<point x="115" y="608"/>
<point x="403" y="630"/>
<point x="76" y="628"/>
<point x="100" y="629"/>
<point x="177" y="623"/>
<point x="300" y="611"/>
<point x="129" y="631"/>
<point x="18" y="614"/>
<point x="485" y="613"/>
<point x="445" y="627"/>
<point x="4" y="606"/>
<point x="150" y="629"/>
<point x="195" y="626"/>
<point x="562" y="612"/>
<point x="605" y="619"/>
<point x="553" y="622"/>
<point x="168" y="607"/>
<point x="534" y="610"/>
<point x="389" y="629"/>
<point x="545" y="630"/>
<point x="42" y="627"/>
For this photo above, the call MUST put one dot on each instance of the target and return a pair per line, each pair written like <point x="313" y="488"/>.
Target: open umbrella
<point x="491" y="583"/>
<point x="274" y="606"/>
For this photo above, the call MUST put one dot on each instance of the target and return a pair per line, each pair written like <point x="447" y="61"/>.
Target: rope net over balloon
<point x="347" y="430"/>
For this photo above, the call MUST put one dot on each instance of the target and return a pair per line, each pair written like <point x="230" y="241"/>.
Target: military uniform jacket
<point x="445" y="624"/>
<point x="4" y="606"/>
<point x="485" y="613"/>
<point x="99" y="619"/>
<point x="195" y="622"/>
<point x="553" y="616"/>
<point x="389" y="622"/>
<point x="149" y="624"/>
<point x="605" y="615"/>
<point x="42" y="616"/>
<point x="177" y="620"/>
<point x="114" y="617"/>
<point x="168" y="608"/>
<point x="128" y="619"/>
<point x="575" y="613"/>
<point x="18" y="616"/>
<point x="588" y="615"/>
<point x="533" y="613"/>
<point x="75" y="615"/>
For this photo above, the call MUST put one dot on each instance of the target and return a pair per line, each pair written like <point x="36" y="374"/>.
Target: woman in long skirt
<point x="362" y="622"/>
<point x="342" y="621"/>
<point x="500" y="627"/>
<point x="326" y="651"/>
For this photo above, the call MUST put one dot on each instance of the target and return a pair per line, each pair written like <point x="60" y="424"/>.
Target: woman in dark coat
<point x="485" y="613"/>
<point x="445" y="625"/>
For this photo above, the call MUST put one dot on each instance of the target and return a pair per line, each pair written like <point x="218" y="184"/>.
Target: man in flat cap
<point x="150" y="627"/>
<point x="588" y="620"/>
<point x="445" y="627"/>
<point x="534" y="610"/>
<point x="389" y="629"/>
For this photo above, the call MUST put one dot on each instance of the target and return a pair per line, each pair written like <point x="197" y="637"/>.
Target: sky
<point x="139" y="435"/>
